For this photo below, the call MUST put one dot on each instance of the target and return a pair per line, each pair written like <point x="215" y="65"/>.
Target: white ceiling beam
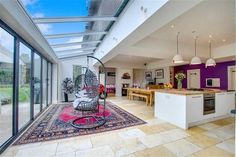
<point x="53" y="36"/>
<point x="75" y="55"/>
<point x="75" y="43"/>
<point x="79" y="49"/>
<point x="73" y="19"/>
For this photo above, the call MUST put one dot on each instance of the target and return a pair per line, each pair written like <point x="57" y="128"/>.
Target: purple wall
<point x="219" y="71"/>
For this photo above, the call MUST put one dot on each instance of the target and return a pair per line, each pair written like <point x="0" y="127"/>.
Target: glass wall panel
<point x="37" y="83"/>
<point x="49" y="83"/>
<point x="6" y="84"/>
<point x="24" y="85"/>
<point x="44" y="83"/>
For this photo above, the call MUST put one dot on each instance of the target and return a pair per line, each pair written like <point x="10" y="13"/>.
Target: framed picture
<point x="159" y="73"/>
<point x="148" y="75"/>
<point x="111" y="74"/>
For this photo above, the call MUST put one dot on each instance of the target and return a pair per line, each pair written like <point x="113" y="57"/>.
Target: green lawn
<point x="24" y="93"/>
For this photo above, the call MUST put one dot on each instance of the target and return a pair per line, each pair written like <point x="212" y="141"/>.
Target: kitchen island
<point x="186" y="108"/>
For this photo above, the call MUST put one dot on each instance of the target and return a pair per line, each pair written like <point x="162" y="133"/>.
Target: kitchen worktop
<point x="188" y="92"/>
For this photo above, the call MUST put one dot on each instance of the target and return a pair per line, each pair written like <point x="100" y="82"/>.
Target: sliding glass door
<point x="6" y="85"/>
<point x="24" y="93"/>
<point x="37" y="84"/>
<point x="49" y="83"/>
<point x="44" y="83"/>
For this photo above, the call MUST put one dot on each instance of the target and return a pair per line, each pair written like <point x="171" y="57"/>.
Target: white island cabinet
<point x="225" y="102"/>
<point x="185" y="108"/>
<point x="194" y="108"/>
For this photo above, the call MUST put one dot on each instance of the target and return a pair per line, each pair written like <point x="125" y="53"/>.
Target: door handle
<point x="196" y="96"/>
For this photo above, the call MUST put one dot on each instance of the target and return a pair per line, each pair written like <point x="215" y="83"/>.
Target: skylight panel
<point x="68" y="25"/>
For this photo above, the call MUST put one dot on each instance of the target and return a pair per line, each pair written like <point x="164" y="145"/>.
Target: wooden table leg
<point x="151" y="99"/>
<point x="128" y="94"/>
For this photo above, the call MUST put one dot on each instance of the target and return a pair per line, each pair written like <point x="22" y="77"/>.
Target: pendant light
<point x="210" y="61"/>
<point x="177" y="58"/>
<point x="195" y="60"/>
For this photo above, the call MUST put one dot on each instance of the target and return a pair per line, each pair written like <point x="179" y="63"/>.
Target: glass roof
<point x="74" y="26"/>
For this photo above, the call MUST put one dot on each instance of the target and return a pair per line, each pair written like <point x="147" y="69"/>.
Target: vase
<point x="179" y="84"/>
<point x="66" y="97"/>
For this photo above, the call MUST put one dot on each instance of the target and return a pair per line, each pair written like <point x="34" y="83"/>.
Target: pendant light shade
<point x="210" y="61"/>
<point x="177" y="58"/>
<point x="195" y="60"/>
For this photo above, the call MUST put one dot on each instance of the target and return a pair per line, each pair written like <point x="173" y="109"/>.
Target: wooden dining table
<point x="149" y="92"/>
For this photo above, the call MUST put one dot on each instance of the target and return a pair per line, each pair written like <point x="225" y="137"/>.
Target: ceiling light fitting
<point x="177" y="58"/>
<point x="195" y="60"/>
<point x="210" y="61"/>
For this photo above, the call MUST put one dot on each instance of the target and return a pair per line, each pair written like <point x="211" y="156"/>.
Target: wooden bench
<point x="146" y="97"/>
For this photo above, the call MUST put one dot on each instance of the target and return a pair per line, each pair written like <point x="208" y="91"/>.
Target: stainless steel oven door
<point x="209" y="105"/>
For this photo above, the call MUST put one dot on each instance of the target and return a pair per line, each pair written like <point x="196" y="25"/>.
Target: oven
<point x="209" y="103"/>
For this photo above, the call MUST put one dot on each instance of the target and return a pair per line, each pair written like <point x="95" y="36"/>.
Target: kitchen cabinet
<point x="195" y="108"/>
<point x="225" y="102"/>
<point x="185" y="108"/>
<point x="230" y="100"/>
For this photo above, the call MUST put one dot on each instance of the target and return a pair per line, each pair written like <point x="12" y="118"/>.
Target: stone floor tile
<point x="202" y="141"/>
<point x="73" y="145"/>
<point x="173" y="135"/>
<point x="39" y="151"/>
<point x="213" y="152"/>
<point x="222" y="133"/>
<point x="228" y="146"/>
<point x="128" y="147"/>
<point x="133" y="133"/>
<point x="209" y="126"/>
<point x="105" y="139"/>
<point x="103" y="151"/>
<point x="225" y="121"/>
<point x="182" y="148"/>
<point x="159" y="151"/>
<point x="70" y="154"/>
<point x="152" y="140"/>
<point x="195" y="130"/>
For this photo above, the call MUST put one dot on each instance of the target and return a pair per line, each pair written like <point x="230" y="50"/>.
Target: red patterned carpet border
<point x="55" y="123"/>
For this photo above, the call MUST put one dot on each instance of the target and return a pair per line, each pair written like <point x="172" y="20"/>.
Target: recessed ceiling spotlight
<point x="114" y="38"/>
<point x="143" y="9"/>
<point x="223" y="40"/>
<point x="172" y="26"/>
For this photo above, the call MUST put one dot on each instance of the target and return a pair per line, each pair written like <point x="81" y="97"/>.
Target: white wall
<point x="66" y="70"/>
<point x="120" y="81"/>
<point x="111" y="80"/>
<point x="139" y="77"/>
<point x="225" y="51"/>
<point x="154" y="66"/>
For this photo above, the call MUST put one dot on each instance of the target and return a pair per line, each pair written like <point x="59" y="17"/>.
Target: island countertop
<point x="188" y="92"/>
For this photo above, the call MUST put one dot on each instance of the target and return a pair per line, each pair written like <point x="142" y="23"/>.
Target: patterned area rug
<point x="56" y="123"/>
